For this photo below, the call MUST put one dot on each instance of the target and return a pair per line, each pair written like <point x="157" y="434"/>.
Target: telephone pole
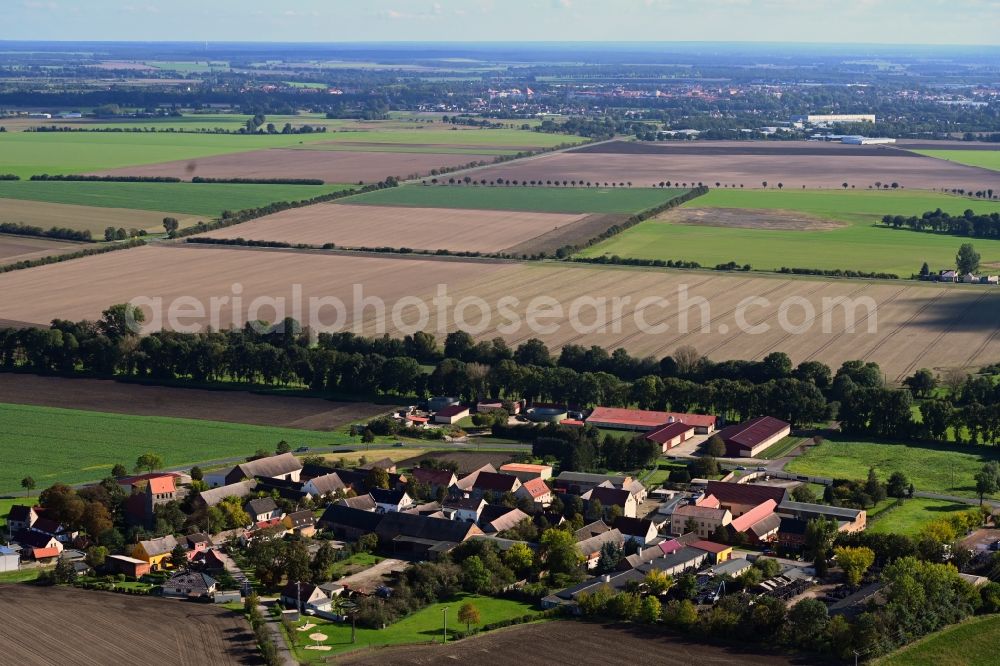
<point x="444" y="631"/>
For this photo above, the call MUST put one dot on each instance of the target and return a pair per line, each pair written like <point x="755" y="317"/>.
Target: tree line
<point x="62" y="233"/>
<point x="106" y="179"/>
<point x="938" y="221"/>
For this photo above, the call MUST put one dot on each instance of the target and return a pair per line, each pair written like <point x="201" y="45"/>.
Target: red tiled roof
<point x="452" y="410"/>
<point x="670" y="546"/>
<point x="571" y="422"/>
<point x="711" y="546"/>
<point x="759" y="512"/>
<point x="645" y="418"/>
<point x="524" y="467"/>
<point x="668" y="432"/>
<point x="753" y="432"/>
<point x="536" y="487"/>
<point x="711" y="501"/>
<point x="42" y="553"/>
<point x="744" y="493"/>
<point x="161" y="484"/>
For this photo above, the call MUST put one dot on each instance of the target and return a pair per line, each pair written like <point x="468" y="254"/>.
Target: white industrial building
<point x="866" y="140"/>
<point x="825" y="118"/>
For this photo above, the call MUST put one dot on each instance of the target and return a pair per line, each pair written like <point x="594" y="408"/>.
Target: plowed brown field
<point x="392" y="226"/>
<point x="913" y="325"/>
<point x="86" y="628"/>
<point x="794" y="164"/>
<point x="330" y="166"/>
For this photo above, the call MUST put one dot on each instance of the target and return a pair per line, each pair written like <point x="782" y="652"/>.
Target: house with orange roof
<point x="758" y="525"/>
<point x="525" y="471"/>
<point x="536" y="490"/>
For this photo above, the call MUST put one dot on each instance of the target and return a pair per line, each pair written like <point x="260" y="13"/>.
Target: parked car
<point x="398" y="445"/>
<point x="302" y="449"/>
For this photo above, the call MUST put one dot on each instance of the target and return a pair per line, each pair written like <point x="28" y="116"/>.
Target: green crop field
<point x="934" y="468"/>
<point x="859" y="244"/>
<point x="421" y="627"/>
<point x="971" y="643"/>
<point x="913" y="515"/>
<point x="74" y="446"/>
<point x="438" y="134"/>
<point x="189" y="198"/>
<point x="29" y="153"/>
<point x="538" y="199"/>
<point x="987" y="159"/>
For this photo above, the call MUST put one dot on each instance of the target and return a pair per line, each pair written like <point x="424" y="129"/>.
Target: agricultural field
<point x="984" y="159"/>
<point x="971" y="643"/>
<point x="808" y="229"/>
<point x="933" y="468"/>
<point x="76" y="446"/>
<point x="537" y="199"/>
<point x="593" y="645"/>
<point x="29" y="153"/>
<point x="353" y="459"/>
<point x="231" y="406"/>
<point x="207" y="199"/>
<point x="901" y="326"/>
<point x="85" y="218"/>
<point x="86" y="627"/>
<point x="394" y="226"/>
<point x="327" y="165"/>
<point x="17" y="248"/>
<point x="795" y="164"/>
<point x="913" y="516"/>
<point x="420" y="627"/>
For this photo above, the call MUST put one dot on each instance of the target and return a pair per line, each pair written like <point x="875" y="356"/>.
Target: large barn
<point x="752" y="438"/>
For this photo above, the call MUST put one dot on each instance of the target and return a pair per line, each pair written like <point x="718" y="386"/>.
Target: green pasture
<point x="971" y="643"/>
<point x="30" y="153"/>
<point x="930" y="467"/>
<point x="537" y="199"/>
<point x="424" y="626"/>
<point x="913" y="516"/>
<point x="858" y="245"/>
<point x="190" y="198"/>
<point x="74" y="446"/>
<point x="987" y="159"/>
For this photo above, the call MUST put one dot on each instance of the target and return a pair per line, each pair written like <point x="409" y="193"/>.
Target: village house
<point x="639" y="530"/>
<point x="435" y="479"/>
<point x="497" y="518"/>
<point x="742" y="497"/>
<point x="758" y="525"/>
<point x="362" y="502"/>
<point x="385" y="464"/>
<point x="536" y="490"/>
<point x="283" y="466"/>
<point x="590" y="548"/>
<point x="609" y="497"/>
<point x="39" y="546"/>
<point x="10" y="559"/>
<point x="423" y="537"/>
<point x="702" y="520"/>
<point x="577" y="483"/>
<point x="263" y="509"/>
<point x="717" y="552"/>
<point x="493" y="483"/>
<point x="466" y="482"/>
<point x="156" y="552"/>
<point x="388" y="501"/>
<point x="189" y="585"/>
<point x="196" y="543"/>
<point x="20" y="517"/>
<point x="848" y="520"/>
<point x="302" y="523"/>
<point x="349" y="523"/>
<point x="302" y="596"/>
<point x="212" y="496"/>
<point x="326" y="485"/>
<point x="752" y="438"/>
<point x="465" y="509"/>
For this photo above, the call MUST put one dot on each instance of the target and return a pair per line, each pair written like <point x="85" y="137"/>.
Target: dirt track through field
<point x="86" y="628"/>
<point x="902" y="325"/>
<point x="565" y="642"/>
<point x="102" y="395"/>
<point x="736" y="164"/>
<point x="452" y="229"/>
<point x="327" y="165"/>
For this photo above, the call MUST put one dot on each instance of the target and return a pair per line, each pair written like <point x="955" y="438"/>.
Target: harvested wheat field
<point x="90" y="218"/>
<point x="84" y="628"/>
<point x="392" y="226"/>
<point x="262" y="282"/>
<point x="592" y="644"/>
<point x="742" y="218"/>
<point x="329" y="166"/>
<point x="793" y="164"/>
<point x="104" y="395"/>
<point x="901" y="325"/>
<point x="20" y="248"/>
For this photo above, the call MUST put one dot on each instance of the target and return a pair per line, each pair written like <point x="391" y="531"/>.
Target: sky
<point x="963" y="22"/>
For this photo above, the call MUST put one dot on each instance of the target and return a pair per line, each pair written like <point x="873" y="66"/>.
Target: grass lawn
<point x="971" y="643"/>
<point x="353" y="564"/>
<point x="538" y="199"/>
<point x="20" y="576"/>
<point x="30" y="153"/>
<point x="987" y="159"/>
<point x="74" y="446"/>
<point x="913" y="515"/>
<point x="7" y="502"/>
<point x="934" y="468"/>
<point x="781" y="448"/>
<point x="858" y="245"/>
<point x="421" y="627"/>
<point x="208" y="199"/>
